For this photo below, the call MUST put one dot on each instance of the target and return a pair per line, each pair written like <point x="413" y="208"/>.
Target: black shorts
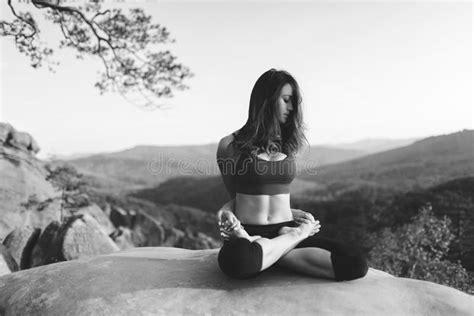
<point x="239" y="258"/>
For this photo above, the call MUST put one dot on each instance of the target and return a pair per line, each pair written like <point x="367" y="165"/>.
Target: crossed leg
<point x="245" y="256"/>
<point x="324" y="257"/>
<point x="313" y="261"/>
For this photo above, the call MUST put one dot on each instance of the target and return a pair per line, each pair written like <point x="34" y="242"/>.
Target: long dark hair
<point x="262" y="131"/>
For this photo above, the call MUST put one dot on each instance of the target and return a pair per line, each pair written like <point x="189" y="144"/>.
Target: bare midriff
<point x="263" y="209"/>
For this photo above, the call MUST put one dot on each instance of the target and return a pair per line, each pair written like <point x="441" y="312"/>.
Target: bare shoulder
<point x="224" y="149"/>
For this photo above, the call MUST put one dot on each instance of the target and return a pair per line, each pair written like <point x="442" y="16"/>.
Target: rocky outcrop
<point x="20" y="243"/>
<point x="79" y="236"/>
<point x="83" y="237"/>
<point x="9" y="136"/>
<point x="147" y="231"/>
<point x="25" y="195"/>
<point x="45" y="225"/>
<point x="171" y="281"/>
<point x="100" y="216"/>
<point x="48" y="249"/>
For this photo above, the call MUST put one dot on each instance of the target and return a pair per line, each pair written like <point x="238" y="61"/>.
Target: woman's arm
<point x="226" y="163"/>
<point x="226" y="219"/>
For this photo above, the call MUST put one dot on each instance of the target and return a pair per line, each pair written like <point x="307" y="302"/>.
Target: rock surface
<point x="79" y="236"/>
<point x="170" y="281"/>
<point x="122" y="237"/>
<point x="22" y="181"/>
<point x="7" y="263"/>
<point x="100" y="216"/>
<point x="84" y="237"/>
<point x="20" y="243"/>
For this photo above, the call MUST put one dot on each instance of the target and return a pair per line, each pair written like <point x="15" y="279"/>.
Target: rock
<point x="20" y="140"/>
<point x="78" y="237"/>
<point x="147" y="231"/>
<point x="107" y="209"/>
<point x="84" y="237"/>
<point x="22" y="177"/>
<point x="34" y="147"/>
<point x="199" y="240"/>
<point x="96" y="212"/>
<point x="48" y="248"/>
<point x="122" y="237"/>
<point x="20" y="243"/>
<point x="4" y="269"/>
<point x="120" y="217"/>
<point x="10" y="137"/>
<point x="7" y="263"/>
<point x="77" y="201"/>
<point x="172" y="281"/>
<point x="44" y="213"/>
<point x="5" y="132"/>
<point x="174" y="237"/>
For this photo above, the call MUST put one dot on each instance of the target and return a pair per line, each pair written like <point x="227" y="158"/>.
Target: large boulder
<point x="48" y="248"/>
<point x="20" y="243"/>
<point x="20" y="140"/>
<point x="26" y="198"/>
<point x="83" y="237"/>
<point x="172" y="281"/>
<point x="78" y="237"/>
<point x="100" y="216"/>
<point x="9" y="136"/>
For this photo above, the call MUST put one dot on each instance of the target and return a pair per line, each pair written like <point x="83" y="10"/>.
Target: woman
<point x="257" y="164"/>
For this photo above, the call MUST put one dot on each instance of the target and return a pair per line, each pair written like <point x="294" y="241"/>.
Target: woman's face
<point x="285" y="103"/>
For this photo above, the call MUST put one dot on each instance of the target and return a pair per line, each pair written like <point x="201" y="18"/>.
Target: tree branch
<point x="119" y="40"/>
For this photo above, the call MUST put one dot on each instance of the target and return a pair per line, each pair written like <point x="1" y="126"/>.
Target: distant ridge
<point x="425" y="163"/>
<point x="374" y="145"/>
<point x="147" y="166"/>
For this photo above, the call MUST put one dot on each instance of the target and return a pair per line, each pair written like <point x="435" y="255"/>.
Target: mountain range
<point x="374" y="145"/>
<point x="147" y="166"/>
<point x="424" y="163"/>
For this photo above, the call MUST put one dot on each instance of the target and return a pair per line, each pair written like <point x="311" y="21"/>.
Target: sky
<point x="366" y="70"/>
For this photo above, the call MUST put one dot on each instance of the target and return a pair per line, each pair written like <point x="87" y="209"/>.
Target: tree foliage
<point x="70" y="183"/>
<point x="126" y="44"/>
<point x="419" y="250"/>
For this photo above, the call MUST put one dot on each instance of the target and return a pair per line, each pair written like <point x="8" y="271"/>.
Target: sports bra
<point x="257" y="176"/>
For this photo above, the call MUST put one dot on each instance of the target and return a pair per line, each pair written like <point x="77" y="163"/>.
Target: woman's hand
<point x="230" y="226"/>
<point x="227" y="222"/>
<point x="300" y="217"/>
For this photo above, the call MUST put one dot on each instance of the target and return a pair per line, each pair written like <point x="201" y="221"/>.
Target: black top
<point x="257" y="176"/>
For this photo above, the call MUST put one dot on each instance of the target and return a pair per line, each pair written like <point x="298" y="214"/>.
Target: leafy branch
<point x="124" y="43"/>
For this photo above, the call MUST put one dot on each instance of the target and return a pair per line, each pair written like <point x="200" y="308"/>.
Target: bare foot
<point x="304" y="229"/>
<point x="241" y="233"/>
<point x="230" y="227"/>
